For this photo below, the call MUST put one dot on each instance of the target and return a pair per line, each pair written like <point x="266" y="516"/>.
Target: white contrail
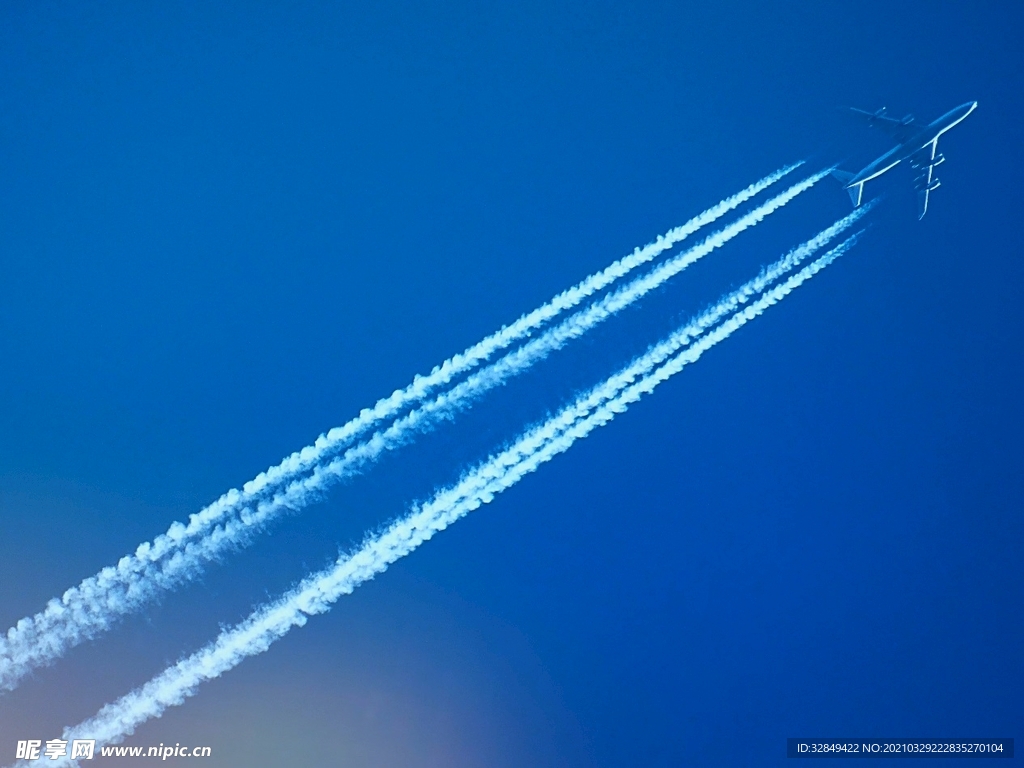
<point x="316" y="593"/>
<point x="232" y="533"/>
<point x="85" y="611"/>
<point x="299" y="492"/>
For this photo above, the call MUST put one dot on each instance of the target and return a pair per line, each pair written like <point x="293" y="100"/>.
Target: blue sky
<point x="226" y="230"/>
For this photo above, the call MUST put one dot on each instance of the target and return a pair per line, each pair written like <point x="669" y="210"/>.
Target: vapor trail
<point x="540" y="444"/>
<point x="302" y="491"/>
<point x="85" y="611"/>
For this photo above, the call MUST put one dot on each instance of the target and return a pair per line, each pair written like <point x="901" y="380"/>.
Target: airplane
<point x="917" y="144"/>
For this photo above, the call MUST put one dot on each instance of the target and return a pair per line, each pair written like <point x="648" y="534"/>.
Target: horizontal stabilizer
<point x="855" y="192"/>
<point x="842" y="176"/>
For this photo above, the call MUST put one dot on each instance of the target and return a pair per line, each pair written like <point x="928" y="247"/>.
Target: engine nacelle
<point x="925" y="160"/>
<point x="934" y="185"/>
<point x="907" y="120"/>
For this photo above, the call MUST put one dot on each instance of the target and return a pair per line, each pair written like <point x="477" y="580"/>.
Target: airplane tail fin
<point x="855" y="192"/>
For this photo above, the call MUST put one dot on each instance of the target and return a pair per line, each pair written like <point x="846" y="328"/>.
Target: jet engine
<point x="925" y="159"/>
<point x="922" y="184"/>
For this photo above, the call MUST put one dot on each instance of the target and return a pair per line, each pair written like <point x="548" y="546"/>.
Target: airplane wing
<point x="922" y="202"/>
<point x="899" y="130"/>
<point x="925" y="160"/>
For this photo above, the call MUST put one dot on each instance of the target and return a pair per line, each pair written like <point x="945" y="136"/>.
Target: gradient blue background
<point x="224" y="230"/>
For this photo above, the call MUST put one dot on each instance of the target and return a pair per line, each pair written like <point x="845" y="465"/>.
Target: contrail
<point x="85" y="611"/>
<point x="540" y="444"/>
<point x="298" y="493"/>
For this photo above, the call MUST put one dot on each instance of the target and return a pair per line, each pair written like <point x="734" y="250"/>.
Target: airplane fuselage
<point x="920" y="140"/>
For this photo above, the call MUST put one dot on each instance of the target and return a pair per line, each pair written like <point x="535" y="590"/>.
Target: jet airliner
<point x="917" y="144"/>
